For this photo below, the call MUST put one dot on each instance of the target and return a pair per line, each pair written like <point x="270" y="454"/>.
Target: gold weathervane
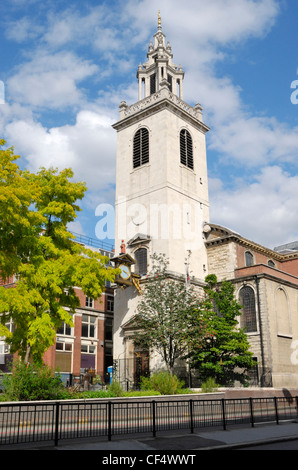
<point x="159" y="19"/>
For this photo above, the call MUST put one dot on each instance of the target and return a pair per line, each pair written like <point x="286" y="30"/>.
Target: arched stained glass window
<point x="248" y="318"/>
<point x="186" y="149"/>
<point x="141" y="147"/>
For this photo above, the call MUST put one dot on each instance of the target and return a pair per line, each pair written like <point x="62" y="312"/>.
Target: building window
<point x="4" y="349"/>
<point x="88" y="326"/>
<point x="249" y="259"/>
<point x="89" y="302"/>
<point x="110" y="303"/>
<point x="64" y="330"/>
<point x="170" y="81"/>
<point x="271" y="263"/>
<point x="141" y="147"/>
<point x="152" y="84"/>
<point x="10" y="326"/>
<point x="141" y="259"/>
<point x="63" y="346"/>
<point x="186" y="149"/>
<point x="248" y="319"/>
<point x="88" y="349"/>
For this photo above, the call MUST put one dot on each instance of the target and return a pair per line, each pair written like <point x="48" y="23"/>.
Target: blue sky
<point x="66" y="66"/>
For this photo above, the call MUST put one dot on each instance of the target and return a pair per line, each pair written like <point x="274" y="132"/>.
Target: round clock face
<point x="125" y="272"/>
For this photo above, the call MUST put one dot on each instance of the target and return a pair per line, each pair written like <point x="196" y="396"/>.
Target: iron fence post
<point x="276" y="410"/>
<point x="57" y="415"/>
<point x="251" y="412"/>
<point x="109" y="420"/>
<point x="153" y="417"/>
<point x="34" y="421"/>
<point x="191" y="416"/>
<point x="223" y="414"/>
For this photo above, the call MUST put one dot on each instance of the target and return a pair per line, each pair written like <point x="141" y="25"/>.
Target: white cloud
<point x="255" y="141"/>
<point x="98" y="28"/>
<point x="265" y="211"/>
<point x="76" y="227"/>
<point x="50" y="80"/>
<point x="72" y="25"/>
<point x="197" y="22"/>
<point x="22" y="30"/>
<point x="88" y="147"/>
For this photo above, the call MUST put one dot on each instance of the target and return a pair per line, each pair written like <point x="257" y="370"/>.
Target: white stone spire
<point x="159" y="71"/>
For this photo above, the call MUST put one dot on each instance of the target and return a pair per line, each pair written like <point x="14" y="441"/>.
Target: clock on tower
<point x="126" y="278"/>
<point x="124" y="263"/>
<point x="125" y="272"/>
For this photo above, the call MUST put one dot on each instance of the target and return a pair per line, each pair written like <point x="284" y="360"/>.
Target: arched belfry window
<point x="248" y="318"/>
<point x="186" y="149"/>
<point x="140" y="256"/>
<point x="141" y="147"/>
<point x="152" y="83"/>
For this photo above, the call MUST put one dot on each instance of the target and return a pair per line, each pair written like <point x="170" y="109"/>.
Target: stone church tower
<point x="161" y="180"/>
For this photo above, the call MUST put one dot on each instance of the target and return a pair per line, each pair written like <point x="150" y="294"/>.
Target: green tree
<point x="224" y="353"/>
<point x="19" y="223"/>
<point x="35" y="210"/>
<point x="168" y="313"/>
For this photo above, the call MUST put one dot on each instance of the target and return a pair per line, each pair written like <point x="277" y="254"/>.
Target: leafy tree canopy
<point x="224" y="354"/>
<point x="169" y="314"/>
<point x="37" y="248"/>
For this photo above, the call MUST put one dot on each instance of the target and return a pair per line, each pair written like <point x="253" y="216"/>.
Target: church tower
<point x="161" y="178"/>
<point x="161" y="175"/>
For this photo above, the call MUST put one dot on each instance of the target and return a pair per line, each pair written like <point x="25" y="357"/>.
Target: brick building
<point x="86" y="345"/>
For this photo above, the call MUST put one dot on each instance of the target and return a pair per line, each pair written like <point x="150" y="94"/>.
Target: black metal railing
<point x="96" y="243"/>
<point x="55" y="421"/>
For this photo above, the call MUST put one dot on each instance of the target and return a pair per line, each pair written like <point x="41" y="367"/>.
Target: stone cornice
<point x="163" y="99"/>
<point x="280" y="277"/>
<point x="229" y="236"/>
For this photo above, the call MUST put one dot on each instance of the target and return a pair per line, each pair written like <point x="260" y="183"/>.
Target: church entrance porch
<point x="128" y="371"/>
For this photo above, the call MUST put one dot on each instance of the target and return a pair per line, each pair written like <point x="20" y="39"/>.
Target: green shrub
<point x="209" y="386"/>
<point x="95" y="394"/>
<point x="30" y="383"/>
<point x="163" y="382"/>
<point x="115" y="388"/>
